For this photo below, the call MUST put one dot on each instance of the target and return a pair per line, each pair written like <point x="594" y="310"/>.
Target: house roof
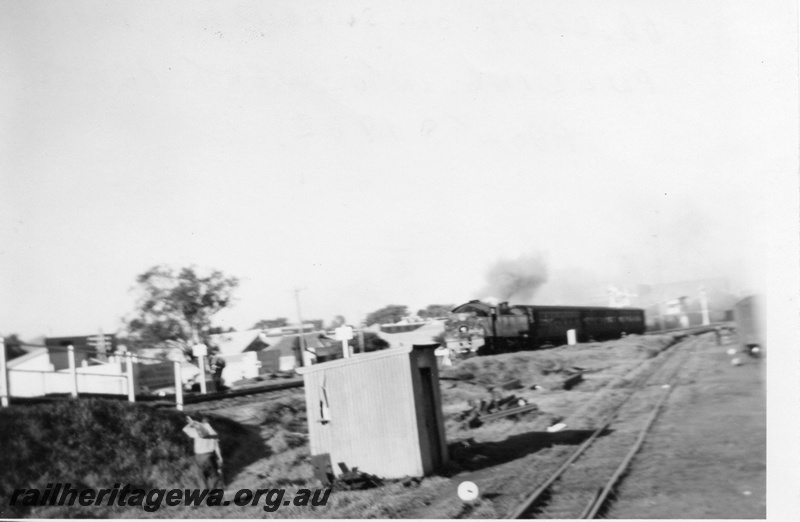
<point x="234" y="342"/>
<point x="415" y="335"/>
<point x="363" y="358"/>
<point x="33" y="354"/>
<point x="286" y="343"/>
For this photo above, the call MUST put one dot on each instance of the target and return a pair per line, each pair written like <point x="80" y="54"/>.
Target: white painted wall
<point x="288" y="363"/>
<point x="240" y="366"/>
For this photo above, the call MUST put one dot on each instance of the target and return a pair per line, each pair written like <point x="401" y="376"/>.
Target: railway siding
<point x="698" y="460"/>
<point x="706" y="455"/>
<point x="522" y="454"/>
<point x="577" y="489"/>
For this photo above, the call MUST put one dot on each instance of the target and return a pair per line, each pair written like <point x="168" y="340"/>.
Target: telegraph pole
<point x="660" y="287"/>
<point x="704" y="305"/>
<point x="300" y="318"/>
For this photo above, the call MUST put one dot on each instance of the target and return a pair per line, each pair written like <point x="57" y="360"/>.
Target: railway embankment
<point x="95" y="443"/>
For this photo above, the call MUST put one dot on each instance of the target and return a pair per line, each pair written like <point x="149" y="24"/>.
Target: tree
<point x="178" y="306"/>
<point x="387" y="314"/>
<point x="433" y="311"/>
<point x="220" y="330"/>
<point x="268" y="324"/>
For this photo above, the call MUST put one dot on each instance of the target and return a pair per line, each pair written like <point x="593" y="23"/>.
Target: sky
<point x="386" y="154"/>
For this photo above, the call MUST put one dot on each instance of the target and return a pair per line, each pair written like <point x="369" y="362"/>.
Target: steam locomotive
<point x="510" y="328"/>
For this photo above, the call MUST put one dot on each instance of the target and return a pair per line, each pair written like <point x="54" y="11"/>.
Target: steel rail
<point x="254" y="390"/>
<point x="530" y="501"/>
<point x="598" y="501"/>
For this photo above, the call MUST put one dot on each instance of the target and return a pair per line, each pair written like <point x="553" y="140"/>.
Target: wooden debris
<point x="572" y="379"/>
<point x="348" y="480"/>
<point x="513" y="384"/>
<point x="495" y="408"/>
<point x="352" y="479"/>
<point x="509" y="412"/>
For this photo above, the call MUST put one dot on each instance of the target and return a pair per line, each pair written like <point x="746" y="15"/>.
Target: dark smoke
<point x="516" y="279"/>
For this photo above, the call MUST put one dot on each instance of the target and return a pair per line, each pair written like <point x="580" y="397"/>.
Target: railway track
<point x="235" y="398"/>
<point x="585" y="482"/>
<point x="240" y="402"/>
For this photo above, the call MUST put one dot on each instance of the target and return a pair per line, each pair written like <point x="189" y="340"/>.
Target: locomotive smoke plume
<point x="515" y="278"/>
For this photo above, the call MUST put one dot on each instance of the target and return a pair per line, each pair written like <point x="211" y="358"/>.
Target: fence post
<point x="73" y="370"/>
<point x="129" y="368"/>
<point x="178" y="385"/>
<point x="4" y="385"/>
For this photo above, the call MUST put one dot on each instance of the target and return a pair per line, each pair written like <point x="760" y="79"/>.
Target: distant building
<point x="84" y="351"/>
<point x="679" y="304"/>
<point x="230" y="343"/>
<point x="287" y="352"/>
<point x="276" y="350"/>
<point x="37" y="360"/>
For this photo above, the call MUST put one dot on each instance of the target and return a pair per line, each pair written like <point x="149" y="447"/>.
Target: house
<point x="230" y="343"/>
<point x="37" y="360"/>
<point x="250" y="353"/>
<point x="84" y="351"/>
<point x="284" y="352"/>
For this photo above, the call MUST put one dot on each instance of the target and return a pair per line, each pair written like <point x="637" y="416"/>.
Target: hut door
<point x="431" y="426"/>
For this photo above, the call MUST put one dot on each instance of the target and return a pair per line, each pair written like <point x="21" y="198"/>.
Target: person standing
<point x="207" y="453"/>
<point x="217" y="366"/>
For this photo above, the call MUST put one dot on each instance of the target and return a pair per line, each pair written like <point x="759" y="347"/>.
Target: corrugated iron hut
<point x="380" y="412"/>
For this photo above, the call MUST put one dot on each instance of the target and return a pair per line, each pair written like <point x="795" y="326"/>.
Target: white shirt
<point x="204" y="437"/>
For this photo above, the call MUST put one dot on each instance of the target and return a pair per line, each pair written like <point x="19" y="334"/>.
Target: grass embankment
<point x="95" y="444"/>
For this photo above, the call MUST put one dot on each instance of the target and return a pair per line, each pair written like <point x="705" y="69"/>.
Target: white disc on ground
<point x="736" y="361"/>
<point x="467" y="491"/>
<point x="731" y="351"/>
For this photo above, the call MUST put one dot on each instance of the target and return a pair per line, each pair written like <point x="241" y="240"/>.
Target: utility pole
<point x="4" y="384"/>
<point x="704" y="305"/>
<point x="300" y="318"/>
<point x="660" y="287"/>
